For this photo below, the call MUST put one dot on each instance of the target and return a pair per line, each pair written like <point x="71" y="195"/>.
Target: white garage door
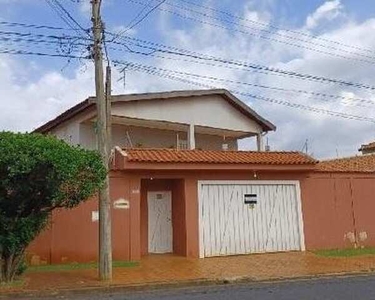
<point x="249" y="217"/>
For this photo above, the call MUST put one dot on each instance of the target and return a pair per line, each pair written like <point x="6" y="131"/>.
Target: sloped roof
<point x="367" y="146"/>
<point x="217" y="157"/>
<point x="90" y="103"/>
<point x="354" y="164"/>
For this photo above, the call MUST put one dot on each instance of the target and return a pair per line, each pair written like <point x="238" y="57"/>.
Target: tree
<point x="39" y="174"/>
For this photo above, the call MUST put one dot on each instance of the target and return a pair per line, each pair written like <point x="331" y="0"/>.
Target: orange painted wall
<point x="364" y="208"/>
<point x="179" y="217"/>
<point x="326" y="209"/>
<point x="334" y="205"/>
<point x="73" y="236"/>
<point x="337" y="210"/>
<point x="189" y="244"/>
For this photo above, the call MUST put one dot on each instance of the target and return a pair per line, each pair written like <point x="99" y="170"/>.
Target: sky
<point x="333" y="39"/>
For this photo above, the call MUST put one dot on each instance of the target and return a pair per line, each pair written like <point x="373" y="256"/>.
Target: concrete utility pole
<point x="105" y="245"/>
<point x="108" y="90"/>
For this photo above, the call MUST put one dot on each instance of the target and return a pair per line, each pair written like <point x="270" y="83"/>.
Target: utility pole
<point x="105" y="244"/>
<point x="108" y="89"/>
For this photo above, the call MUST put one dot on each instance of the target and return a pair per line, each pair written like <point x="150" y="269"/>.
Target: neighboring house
<point x="367" y="148"/>
<point x="179" y="185"/>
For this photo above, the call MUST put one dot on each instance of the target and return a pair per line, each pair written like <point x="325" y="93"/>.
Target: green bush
<point x="37" y="175"/>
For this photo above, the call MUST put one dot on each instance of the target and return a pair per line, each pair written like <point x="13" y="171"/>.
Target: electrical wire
<point x="369" y="60"/>
<point x="257" y="97"/>
<point x="66" y="16"/>
<point x="131" y="25"/>
<point x="273" y="26"/>
<point x="76" y="44"/>
<point x="272" y="88"/>
<point x="24" y="25"/>
<point x="22" y="52"/>
<point x="157" y="47"/>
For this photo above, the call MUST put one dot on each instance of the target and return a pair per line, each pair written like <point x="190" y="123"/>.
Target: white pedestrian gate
<point x="241" y="217"/>
<point x="159" y="222"/>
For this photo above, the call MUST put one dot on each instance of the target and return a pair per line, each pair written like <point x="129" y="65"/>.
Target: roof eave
<point x="80" y="107"/>
<point x="128" y="165"/>
<point x="65" y="116"/>
<point x="265" y="124"/>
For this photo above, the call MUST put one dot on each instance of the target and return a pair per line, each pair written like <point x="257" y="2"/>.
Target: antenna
<point x="305" y="147"/>
<point x="129" y="139"/>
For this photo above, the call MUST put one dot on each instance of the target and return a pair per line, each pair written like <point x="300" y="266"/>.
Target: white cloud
<point x="29" y="104"/>
<point x="327" y="11"/>
<point x="85" y="7"/>
<point x="122" y="28"/>
<point x="249" y="13"/>
<point x="294" y="126"/>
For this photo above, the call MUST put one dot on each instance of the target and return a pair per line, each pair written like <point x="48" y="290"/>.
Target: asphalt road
<point x="344" y="288"/>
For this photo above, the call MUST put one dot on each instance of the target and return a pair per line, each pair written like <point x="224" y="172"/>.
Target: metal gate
<point x="244" y="217"/>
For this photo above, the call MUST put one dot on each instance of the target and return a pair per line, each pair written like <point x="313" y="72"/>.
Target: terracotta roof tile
<point x="217" y="157"/>
<point x="362" y="163"/>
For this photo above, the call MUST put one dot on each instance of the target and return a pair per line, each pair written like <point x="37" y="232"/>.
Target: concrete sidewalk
<point x="172" y="270"/>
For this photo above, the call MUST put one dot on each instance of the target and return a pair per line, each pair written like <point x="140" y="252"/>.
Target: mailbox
<point x="251" y="200"/>
<point x="121" y="204"/>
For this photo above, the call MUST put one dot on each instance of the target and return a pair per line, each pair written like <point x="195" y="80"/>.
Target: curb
<point x="181" y="284"/>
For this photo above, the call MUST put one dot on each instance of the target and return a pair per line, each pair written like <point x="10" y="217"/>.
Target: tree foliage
<point x="37" y="175"/>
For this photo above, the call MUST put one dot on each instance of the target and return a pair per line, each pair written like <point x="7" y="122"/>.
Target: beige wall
<point x="208" y="111"/>
<point x="70" y="133"/>
<point x="150" y="138"/>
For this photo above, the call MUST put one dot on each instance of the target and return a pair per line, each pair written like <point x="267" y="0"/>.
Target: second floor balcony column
<point x="260" y="143"/>
<point x="191" y="137"/>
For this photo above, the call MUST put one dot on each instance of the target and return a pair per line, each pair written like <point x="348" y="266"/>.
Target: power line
<point x="157" y="47"/>
<point x="262" y="98"/>
<point x="268" y="25"/>
<point x="66" y="16"/>
<point x="370" y="59"/>
<point x="181" y="52"/>
<point x="319" y="94"/>
<point x="63" y="46"/>
<point x="266" y="99"/>
<point x="273" y="88"/>
<point x="131" y="25"/>
<point x="266" y="31"/>
<point x="54" y="37"/>
<point x="22" y="52"/>
<point x="24" y="25"/>
<point x="300" y="91"/>
<point x="70" y="16"/>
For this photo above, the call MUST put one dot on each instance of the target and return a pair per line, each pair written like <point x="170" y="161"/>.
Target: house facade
<point x="179" y="184"/>
<point x="204" y="119"/>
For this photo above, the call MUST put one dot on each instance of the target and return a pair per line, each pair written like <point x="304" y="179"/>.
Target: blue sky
<point x="40" y="88"/>
<point x="289" y="14"/>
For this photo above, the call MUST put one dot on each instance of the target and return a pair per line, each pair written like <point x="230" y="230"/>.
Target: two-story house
<point x="179" y="184"/>
<point x="203" y="119"/>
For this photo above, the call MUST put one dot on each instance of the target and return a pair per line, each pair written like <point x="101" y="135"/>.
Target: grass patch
<point x="10" y="285"/>
<point x="350" y="252"/>
<point x="79" y="266"/>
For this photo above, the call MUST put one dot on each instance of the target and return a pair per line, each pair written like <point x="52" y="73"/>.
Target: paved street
<point x="348" y="288"/>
